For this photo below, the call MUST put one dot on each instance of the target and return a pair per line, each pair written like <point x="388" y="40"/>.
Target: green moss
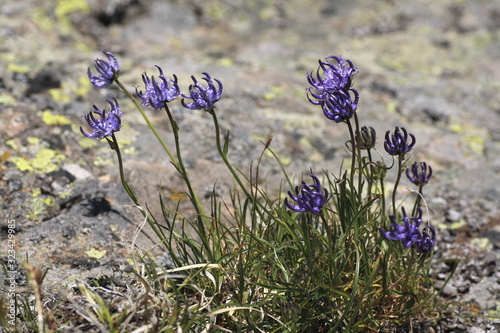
<point x="54" y="119"/>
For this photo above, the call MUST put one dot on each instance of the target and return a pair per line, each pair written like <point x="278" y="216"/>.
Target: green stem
<point x="400" y="164"/>
<point x="358" y="152"/>
<point x="223" y="155"/>
<point x="182" y="170"/>
<point x="151" y="126"/>
<point x="353" y="149"/>
<point x="113" y="142"/>
<point x="418" y="200"/>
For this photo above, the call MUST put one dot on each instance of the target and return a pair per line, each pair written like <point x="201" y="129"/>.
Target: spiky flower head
<point x="420" y="173"/>
<point x="106" y="124"/>
<point x="308" y="198"/>
<point x="331" y="77"/>
<point x="407" y="233"/>
<point x="108" y="71"/>
<point x="203" y="98"/>
<point x="398" y="143"/>
<point x="340" y="105"/>
<point x="158" y="92"/>
<point x="367" y="137"/>
<point x="427" y="241"/>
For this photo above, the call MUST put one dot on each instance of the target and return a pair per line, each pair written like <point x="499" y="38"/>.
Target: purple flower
<point x="309" y="198"/>
<point x="333" y="77"/>
<point x="367" y="137"/>
<point x="203" y="98"/>
<point x="340" y="105"/>
<point x="158" y="92"/>
<point x="108" y="71"/>
<point x="107" y="124"/>
<point x="419" y="175"/>
<point x="408" y="233"/>
<point x="398" y="143"/>
<point x="427" y="242"/>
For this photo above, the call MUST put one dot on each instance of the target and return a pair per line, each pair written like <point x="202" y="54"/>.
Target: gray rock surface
<point x="432" y="67"/>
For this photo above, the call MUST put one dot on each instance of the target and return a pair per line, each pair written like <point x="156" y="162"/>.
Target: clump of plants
<point x="336" y="253"/>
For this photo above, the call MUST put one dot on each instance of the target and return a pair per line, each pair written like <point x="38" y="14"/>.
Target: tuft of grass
<point x="252" y="263"/>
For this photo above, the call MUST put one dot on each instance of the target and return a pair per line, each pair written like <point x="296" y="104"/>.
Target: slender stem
<point x="418" y="200"/>
<point x="358" y="152"/>
<point x="223" y="155"/>
<point x="400" y="164"/>
<point x="180" y="164"/>
<point x="146" y="118"/>
<point x="371" y="172"/>
<point x="353" y="149"/>
<point x="113" y="142"/>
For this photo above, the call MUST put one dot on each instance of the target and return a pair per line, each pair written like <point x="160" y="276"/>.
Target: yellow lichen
<point x="32" y="140"/>
<point x="454" y="225"/>
<point x="475" y="143"/>
<point x="59" y="95"/>
<point x="40" y="17"/>
<point x="482" y="242"/>
<point x="94" y="253"/>
<point x="276" y="91"/>
<point x="54" y="119"/>
<point x="84" y="86"/>
<point x="22" y="164"/>
<point x="7" y="100"/>
<point x="18" y="68"/>
<point x="87" y="143"/>
<point x="456" y="128"/>
<point x="225" y="62"/>
<point x="12" y="144"/>
<point x="47" y="160"/>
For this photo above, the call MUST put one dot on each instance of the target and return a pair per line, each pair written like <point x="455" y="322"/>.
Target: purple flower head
<point x="107" y="124"/>
<point x="203" y="98"/>
<point x="398" y="143"/>
<point x="341" y="105"/>
<point x="108" y="71"/>
<point x="367" y="137"/>
<point x="419" y="175"/>
<point x="427" y="242"/>
<point x="333" y="77"/>
<point x="408" y="233"/>
<point x="309" y="198"/>
<point x="158" y="92"/>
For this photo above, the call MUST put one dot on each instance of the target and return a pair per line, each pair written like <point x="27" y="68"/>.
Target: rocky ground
<point x="430" y="66"/>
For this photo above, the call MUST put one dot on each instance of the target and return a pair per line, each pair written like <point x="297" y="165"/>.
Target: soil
<point x="431" y="67"/>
